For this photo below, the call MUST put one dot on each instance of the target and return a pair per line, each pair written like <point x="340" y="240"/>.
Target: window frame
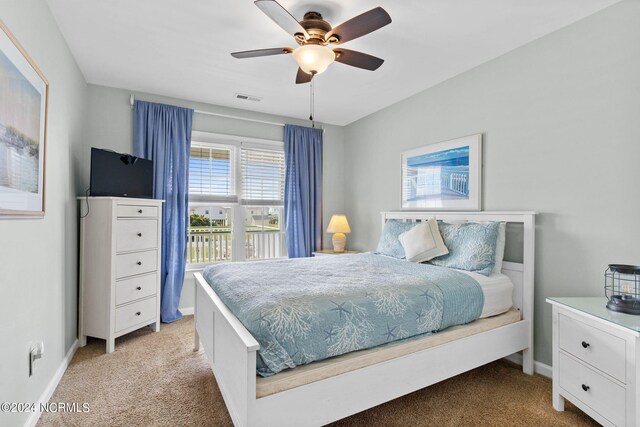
<point x="238" y="230"/>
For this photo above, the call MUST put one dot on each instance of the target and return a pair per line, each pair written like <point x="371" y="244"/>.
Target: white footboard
<point x="231" y="350"/>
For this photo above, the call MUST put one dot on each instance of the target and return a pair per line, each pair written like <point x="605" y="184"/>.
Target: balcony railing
<point x="265" y="244"/>
<point x="213" y="245"/>
<point x="208" y="246"/>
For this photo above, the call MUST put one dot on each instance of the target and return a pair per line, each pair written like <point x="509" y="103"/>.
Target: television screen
<point x="120" y="175"/>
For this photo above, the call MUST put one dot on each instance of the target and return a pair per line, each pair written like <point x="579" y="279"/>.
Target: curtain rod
<point x="228" y="116"/>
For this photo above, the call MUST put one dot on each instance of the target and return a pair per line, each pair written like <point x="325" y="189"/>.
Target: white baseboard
<point x="538" y="367"/>
<point x="51" y="387"/>
<point x="187" y="311"/>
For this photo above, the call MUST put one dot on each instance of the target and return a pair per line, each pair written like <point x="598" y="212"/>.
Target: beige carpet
<point x="155" y="379"/>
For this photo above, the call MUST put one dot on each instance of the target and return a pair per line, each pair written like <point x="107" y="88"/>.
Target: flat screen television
<point x="120" y="175"/>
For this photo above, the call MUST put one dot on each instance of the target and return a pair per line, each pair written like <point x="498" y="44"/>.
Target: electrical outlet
<point x="35" y="352"/>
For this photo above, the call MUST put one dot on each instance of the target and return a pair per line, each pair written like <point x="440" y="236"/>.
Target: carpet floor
<point x="156" y="379"/>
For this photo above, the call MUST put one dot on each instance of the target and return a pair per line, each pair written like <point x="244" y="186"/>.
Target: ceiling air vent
<point x="247" y="97"/>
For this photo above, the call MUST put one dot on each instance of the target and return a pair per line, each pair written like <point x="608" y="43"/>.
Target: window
<point x="264" y="234"/>
<point x="262" y="177"/>
<point x="211" y="175"/>
<point x="262" y="196"/>
<point x="209" y="237"/>
<point x="236" y="193"/>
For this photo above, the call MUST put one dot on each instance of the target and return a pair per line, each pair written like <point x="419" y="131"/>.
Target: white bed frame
<point x="232" y="350"/>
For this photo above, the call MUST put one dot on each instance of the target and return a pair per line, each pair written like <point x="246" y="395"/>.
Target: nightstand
<point x="327" y="252"/>
<point x="595" y="355"/>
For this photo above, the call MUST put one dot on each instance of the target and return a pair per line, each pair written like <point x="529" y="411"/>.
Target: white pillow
<point x="423" y="242"/>
<point x="502" y="239"/>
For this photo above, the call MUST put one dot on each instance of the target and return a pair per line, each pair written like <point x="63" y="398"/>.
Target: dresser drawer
<point x="137" y="211"/>
<point x="137" y="287"/>
<point x="136" y="263"/>
<point x="598" y="348"/>
<point x="602" y="394"/>
<point x="136" y="234"/>
<point x="137" y="313"/>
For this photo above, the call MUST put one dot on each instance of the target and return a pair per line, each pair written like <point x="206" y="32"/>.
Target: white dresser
<point x="595" y="360"/>
<point x="120" y="245"/>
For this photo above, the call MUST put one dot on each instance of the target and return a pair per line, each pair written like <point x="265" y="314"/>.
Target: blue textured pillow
<point x="472" y="246"/>
<point x="389" y="243"/>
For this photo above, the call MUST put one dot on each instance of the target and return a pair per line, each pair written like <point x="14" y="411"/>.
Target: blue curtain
<point x="162" y="133"/>
<point x="303" y="190"/>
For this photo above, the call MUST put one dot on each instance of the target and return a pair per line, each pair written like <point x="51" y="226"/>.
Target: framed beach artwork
<point x="443" y="176"/>
<point x="23" y="121"/>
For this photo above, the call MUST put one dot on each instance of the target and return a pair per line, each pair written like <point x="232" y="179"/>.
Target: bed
<point x="334" y="387"/>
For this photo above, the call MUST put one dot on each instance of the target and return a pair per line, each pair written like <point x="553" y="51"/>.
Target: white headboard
<point x="521" y="274"/>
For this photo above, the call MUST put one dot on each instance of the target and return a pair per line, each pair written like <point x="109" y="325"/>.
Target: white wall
<point x="110" y="125"/>
<point x="561" y="124"/>
<point x="38" y="257"/>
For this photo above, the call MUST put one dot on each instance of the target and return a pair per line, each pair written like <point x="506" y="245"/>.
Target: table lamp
<point x="339" y="226"/>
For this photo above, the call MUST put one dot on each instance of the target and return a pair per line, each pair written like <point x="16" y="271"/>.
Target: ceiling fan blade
<point x="261" y="52"/>
<point x="303" y="77"/>
<point x="358" y="59"/>
<point x="360" y="25"/>
<point x="280" y="16"/>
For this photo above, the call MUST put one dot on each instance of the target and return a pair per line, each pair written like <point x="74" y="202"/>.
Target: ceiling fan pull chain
<point x="312" y="104"/>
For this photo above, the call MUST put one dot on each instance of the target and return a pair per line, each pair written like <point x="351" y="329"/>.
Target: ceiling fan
<point x="316" y="38"/>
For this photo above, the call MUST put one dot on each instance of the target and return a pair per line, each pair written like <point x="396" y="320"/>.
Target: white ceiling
<point x="180" y="48"/>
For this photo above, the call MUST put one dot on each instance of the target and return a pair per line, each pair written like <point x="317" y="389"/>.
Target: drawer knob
<point x="139" y="211"/>
<point x="139" y="234"/>
<point x="138" y="314"/>
<point x="585" y="344"/>
<point x="139" y="262"/>
<point x="139" y="288"/>
<point x="585" y="387"/>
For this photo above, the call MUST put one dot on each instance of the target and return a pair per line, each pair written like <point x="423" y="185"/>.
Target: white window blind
<point x="211" y="174"/>
<point x="262" y="177"/>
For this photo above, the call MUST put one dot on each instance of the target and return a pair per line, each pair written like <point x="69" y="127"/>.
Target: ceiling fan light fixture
<point x="314" y="35"/>
<point x="313" y="59"/>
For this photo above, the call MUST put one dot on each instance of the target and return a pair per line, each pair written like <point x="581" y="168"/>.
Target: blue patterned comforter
<point x="307" y="309"/>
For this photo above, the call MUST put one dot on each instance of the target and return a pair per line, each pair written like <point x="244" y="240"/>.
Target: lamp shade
<point x="313" y="59"/>
<point x="338" y="224"/>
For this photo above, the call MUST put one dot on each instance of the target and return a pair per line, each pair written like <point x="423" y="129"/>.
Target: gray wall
<point x="38" y="257"/>
<point x="110" y="125"/>
<point x="561" y="124"/>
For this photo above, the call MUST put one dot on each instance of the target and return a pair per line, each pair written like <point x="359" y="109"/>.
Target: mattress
<point x="304" y="310"/>
<point x="334" y="366"/>
<point x="498" y="292"/>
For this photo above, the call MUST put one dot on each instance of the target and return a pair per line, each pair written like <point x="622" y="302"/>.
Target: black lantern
<point x="622" y="288"/>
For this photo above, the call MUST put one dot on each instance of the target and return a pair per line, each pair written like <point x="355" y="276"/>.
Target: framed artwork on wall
<point x="23" y="123"/>
<point x="443" y="176"/>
